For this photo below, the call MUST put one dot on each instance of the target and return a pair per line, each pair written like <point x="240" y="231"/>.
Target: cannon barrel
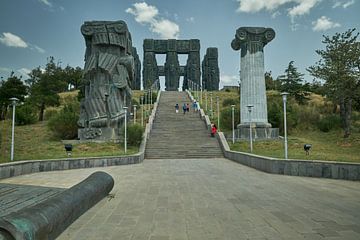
<point x="51" y="217"/>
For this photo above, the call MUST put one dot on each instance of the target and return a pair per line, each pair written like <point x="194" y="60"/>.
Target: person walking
<point x="176" y="108"/>
<point x="213" y="130"/>
<point x="184" y="108"/>
<point x="195" y="106"/>
<point x="187" y="107"/>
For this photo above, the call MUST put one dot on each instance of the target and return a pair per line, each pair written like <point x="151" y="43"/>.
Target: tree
<point x="45" y="86"/>
<point x="270" y="82"/>
<point x="12" y="87"/>
<point x="73" y="76"/>
<point x="291" y="82"/>
<point x="339" y="67"/>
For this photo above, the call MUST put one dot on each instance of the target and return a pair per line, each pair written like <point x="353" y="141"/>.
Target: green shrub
<point x="134" y="134"/>
<point x="64" y="124"/>
<point x="329" y="122"/>
<point x="276" y="113"/>
<point x="25" y="114"/>
<point x="146" y="97"/>
<point x="49" y="113"/>
<point x="226" y="118"/>
<point x="230" y="101"/>
<point x="308" y="117"/>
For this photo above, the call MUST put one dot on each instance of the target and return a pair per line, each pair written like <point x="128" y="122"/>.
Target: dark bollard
<point x="50" y="218"/>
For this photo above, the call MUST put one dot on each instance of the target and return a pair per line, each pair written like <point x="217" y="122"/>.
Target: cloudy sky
<point x="33" y="30"/>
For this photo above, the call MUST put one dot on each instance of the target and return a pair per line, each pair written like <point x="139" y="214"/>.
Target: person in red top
<point x="213" y="130"/>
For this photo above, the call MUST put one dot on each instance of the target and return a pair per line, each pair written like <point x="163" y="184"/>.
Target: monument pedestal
<point x="103" y="134"/>
<point x="260" y="131"/>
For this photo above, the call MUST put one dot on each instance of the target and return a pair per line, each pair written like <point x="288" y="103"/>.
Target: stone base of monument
<point x="104" y="134"/>
<point x="260" y="131"/>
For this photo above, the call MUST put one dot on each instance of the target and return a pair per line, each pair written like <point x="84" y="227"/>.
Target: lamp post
<point x="135" y="113"/>
<point x="201" y="93"/>
<point x="211" y="105"/>
<point x="233" y="123"/>
<point x="239" y="94"/>
<point x="284" y="96"/>
<point x="218" y="112"/>
<point x="206" y="102"/>
<point x="250" y="135"/>
<point x="125" y="135"/>
<point x="151" y="100"/>
<point x="13" y="101"/>
<point x="142" y="110"/>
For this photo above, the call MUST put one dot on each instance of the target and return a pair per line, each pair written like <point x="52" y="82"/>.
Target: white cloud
<point x="166" y="29"/>
<point x="5" y="72"/>
<point x="147" y="14"/>
<point x="349" y="3"/>
<point x="190" y="19"/>
<point x="323" y="24"/>
<point x="11" y="40"/>
<point x="275" y="14"/>
<point x="46" y="2"/>
<point x="39" y="49"/>
<point x="300" y="7"/>
<point x="24" y="71"/>
<point x="229" y="80"/>
<point x="344" y="4"/>
<point x="143" y="13"/>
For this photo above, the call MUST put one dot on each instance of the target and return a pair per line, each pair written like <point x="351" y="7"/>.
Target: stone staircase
<point x="178" y="135"/>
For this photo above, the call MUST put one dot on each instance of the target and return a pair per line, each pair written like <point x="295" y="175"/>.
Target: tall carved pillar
<point x="150" y="68"/>
<point x="251" y="42"/>
<point x="108" y="76"/>
<point x="137" y="80"/>
<point x="210" y="70"/>
<point x="172" y="71"/>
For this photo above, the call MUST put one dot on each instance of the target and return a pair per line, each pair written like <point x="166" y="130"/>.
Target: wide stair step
<point x="178" y="135"/>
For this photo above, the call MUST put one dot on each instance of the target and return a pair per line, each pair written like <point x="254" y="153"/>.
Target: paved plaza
<point x="209" y="199"/>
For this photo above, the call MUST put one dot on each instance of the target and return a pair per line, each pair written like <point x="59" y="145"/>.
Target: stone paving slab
<point x="210" y="199"/>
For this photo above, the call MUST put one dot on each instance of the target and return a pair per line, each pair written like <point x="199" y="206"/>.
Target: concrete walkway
<point x="210" y="199"/>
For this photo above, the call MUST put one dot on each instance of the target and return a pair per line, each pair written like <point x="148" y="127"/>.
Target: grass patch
<point x="329" y="146"/>
<point x="36" y="142"/>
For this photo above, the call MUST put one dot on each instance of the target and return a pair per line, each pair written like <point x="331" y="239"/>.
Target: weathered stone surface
<point x="210" y="70"/>
<point x="108" y="74"/>
<point x="251" y="42"/>
<point x="137" y="79"/>
<point x="171" y="70"/>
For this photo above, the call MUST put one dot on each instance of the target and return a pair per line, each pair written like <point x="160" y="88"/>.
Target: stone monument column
<point x="172" y="71"/>
<point x="251" y="42"/>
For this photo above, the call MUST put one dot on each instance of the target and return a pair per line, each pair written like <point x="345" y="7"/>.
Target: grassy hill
<point x="35" y="141"/>
<point x="304" y="129"/>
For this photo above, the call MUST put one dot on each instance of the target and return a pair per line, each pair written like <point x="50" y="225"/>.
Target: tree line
<point x="41" y="89"/>
<point x="336" y="76"/>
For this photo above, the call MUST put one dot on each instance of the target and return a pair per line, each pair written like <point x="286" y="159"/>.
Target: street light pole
<point x="142" y="111"/>
<point x="13" y="100"/>
<point x="125" y="137"/>
<point x="284" y="96"/>
<point x="250" y="135"/>
<point x="218" y="112"/>
<point x="211" y="105"/>
<point x="135" y="113"/>
<point x="206" y="102"/>
<point x="233" y="123"/>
